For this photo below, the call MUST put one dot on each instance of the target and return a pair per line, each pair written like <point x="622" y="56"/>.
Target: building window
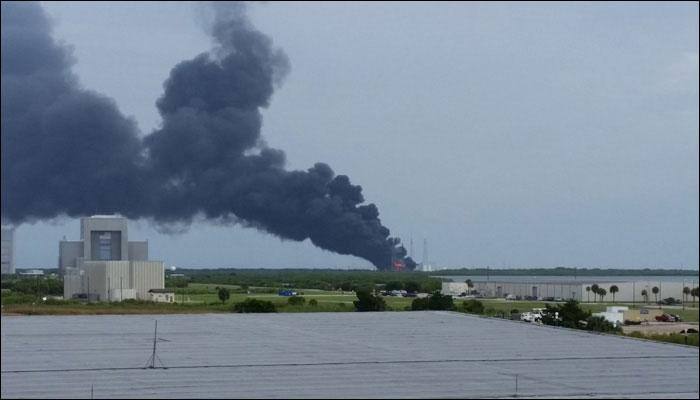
<point x="105" y="246"/>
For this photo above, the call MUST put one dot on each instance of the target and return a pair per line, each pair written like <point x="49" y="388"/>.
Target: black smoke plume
<point x="70" y="151"/>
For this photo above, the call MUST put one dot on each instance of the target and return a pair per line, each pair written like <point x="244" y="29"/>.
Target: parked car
<point x="510" y="297"/>
<point x="669" y="301"/>
<point x="666" y="318"/>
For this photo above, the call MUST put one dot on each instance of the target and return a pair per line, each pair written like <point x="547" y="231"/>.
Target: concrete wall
<point x="117" y="278"/>
<point x="138" y="251"/>
<point x="68" y="253"/>
<point x="501" y="289"/>
<point x="146" y="275"/>
<point x="7" y="250"/>
<point x="71" y="282"/>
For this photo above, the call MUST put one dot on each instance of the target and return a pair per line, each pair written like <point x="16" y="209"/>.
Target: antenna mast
<point x="151" y="363"/>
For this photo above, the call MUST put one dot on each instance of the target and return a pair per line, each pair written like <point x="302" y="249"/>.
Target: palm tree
<point x="694" y="293"/>
<point x="588" y="293"/>
<point x="602" y="292"/>
<point x="655" y="290"/>
<point x="594" y="289"/>
<point x="686" y="292"/>
<point x="645" y="294"/>
<point x="614" y="289"/>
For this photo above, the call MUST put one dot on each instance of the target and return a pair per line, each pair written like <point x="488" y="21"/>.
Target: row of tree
<point x="599" y="291"/>
<point x="323" y="279"/>
<point x="33" y="285"/>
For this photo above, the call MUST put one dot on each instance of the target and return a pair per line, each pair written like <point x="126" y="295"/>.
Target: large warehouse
<point x="105" y="266"/>
<point x="426" y="354"/>
<point x="628" y="290"/>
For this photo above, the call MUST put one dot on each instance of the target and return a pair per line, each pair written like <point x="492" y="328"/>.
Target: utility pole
<point x="109" y="290"/>
<point x="88" y="293"/>
<point x="121" y="288"/>
<point x="683" y="296"/>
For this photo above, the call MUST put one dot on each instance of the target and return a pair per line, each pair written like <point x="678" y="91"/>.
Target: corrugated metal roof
<point x="331" y="355"/>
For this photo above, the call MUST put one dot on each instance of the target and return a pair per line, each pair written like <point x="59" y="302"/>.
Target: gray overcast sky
<point x="507" y="135"/>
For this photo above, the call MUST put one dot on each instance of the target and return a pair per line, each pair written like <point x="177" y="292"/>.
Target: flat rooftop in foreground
<point x="332" y="355"/>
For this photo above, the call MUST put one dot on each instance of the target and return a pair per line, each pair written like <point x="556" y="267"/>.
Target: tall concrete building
<point x="104" y="265"/>
<point x="7" y="255"/>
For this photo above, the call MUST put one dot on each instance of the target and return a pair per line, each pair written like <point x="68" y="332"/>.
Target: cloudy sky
<point x="507" y="135"/>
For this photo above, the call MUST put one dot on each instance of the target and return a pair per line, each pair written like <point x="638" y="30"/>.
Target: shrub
<point x="313" y="302"/>
<point x="515" y="311"/>
<point x="223" y="294"/>
<point x="366" y="301"/>
<point x="473" y="307"/>
<point x="296" y="301"/>
<point x="18" y="298"/>
<point x="600" y="324"/>
<point x="254" y="306"/>
<point x="412" y="286"/>
<point x="419" y="304"/>
<point x="436" y="301"/>
<point x="570" y="315"/>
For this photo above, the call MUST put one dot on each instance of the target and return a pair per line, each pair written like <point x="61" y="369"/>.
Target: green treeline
<point x="323" y="279"/>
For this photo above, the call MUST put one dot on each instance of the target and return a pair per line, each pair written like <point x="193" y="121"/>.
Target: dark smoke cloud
<point x="69" y="151"/>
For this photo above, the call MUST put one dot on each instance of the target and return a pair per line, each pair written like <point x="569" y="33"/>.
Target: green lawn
<point x="200" y="297"/>
<point x="501" y="305"/>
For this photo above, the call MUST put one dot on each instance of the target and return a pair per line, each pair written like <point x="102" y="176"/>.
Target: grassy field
<point x="201" y="298"/>
<point x="500" y="305"/>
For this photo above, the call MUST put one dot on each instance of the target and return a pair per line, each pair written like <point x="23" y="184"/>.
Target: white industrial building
<point x="7" y="255"/>
<point x="105" y="266"/>
<point x="628" y="291"/>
